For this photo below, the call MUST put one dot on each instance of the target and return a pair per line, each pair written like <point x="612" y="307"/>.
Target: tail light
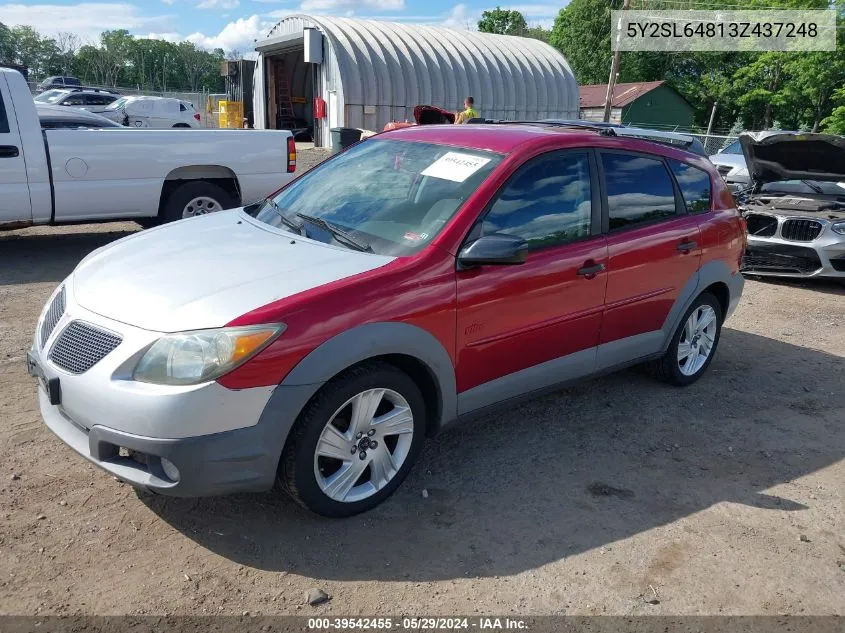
<point x="197" y="116"/>
<point x="291" y="155"/>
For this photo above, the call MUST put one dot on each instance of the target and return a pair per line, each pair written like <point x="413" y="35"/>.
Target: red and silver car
<point x="420" y="277"/>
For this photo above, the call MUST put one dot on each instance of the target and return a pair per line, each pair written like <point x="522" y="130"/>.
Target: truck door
<point x="15" y="205"/>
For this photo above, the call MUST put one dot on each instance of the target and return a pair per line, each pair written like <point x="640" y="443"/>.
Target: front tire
<point x="355" y="441"/>
<point x="693" y="345"/>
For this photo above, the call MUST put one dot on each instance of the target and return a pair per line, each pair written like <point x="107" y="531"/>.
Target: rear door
<point x="523" y="327"/>
<point x="653" y="252"/>
<point x="15" y="203"/>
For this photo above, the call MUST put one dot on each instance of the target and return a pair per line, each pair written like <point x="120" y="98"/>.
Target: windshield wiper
<point x="296" y="226"/>
<point x="812" y="186"/>
<point x="338" y="233"/>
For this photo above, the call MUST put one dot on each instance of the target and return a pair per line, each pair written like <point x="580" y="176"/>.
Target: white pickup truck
<point x="71" y="176"/>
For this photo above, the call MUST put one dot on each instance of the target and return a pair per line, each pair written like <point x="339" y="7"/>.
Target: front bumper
<point x="233" y="461"/>
<point x="209" y="433"/>
<point x="823" y="257"/>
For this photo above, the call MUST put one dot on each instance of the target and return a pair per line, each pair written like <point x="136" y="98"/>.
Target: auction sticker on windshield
<point x="455" y="166"/>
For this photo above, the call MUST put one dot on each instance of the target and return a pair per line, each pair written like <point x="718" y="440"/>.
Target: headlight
<point x="189" y="358"/>
<point x="839" y="227"/>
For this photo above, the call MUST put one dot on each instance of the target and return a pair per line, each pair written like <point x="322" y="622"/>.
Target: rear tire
<point x="392" y="416"/>
<point x="196" y="197"/>
<point x="693" y="345"/>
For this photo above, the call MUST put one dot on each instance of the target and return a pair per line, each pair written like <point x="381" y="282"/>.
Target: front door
<point x="15" y="204"/>
<point x="653" y="252"/>
<point x="526" y="326"/>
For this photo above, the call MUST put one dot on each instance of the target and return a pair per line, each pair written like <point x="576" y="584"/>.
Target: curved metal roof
<point x="393" y="65"/>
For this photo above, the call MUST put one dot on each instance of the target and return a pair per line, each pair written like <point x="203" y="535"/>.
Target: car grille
<point x="80" y="346"/>
<point x="54" y="313"/>
<point x="761" y="225"/>
<point x="801" y="230"/>
<point x="799" y="260"/>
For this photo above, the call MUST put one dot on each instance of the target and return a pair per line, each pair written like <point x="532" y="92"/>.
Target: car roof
<point x="504" y="137"/>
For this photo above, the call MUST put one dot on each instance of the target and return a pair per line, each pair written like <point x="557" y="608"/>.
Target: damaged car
<point x="795" y="207"/>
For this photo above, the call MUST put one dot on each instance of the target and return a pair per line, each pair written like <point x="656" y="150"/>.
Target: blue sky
<point x="235" y="24"/>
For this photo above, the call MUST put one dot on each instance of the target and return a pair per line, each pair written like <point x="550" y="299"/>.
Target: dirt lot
<point x="618" y="496"/>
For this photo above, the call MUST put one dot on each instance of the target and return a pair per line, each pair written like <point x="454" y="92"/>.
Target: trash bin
<point x="343" y="137"/>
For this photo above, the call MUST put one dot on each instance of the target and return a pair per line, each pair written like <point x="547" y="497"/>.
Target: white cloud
<point x="169" y="37"/>
<point x="335" y="5"/>
<point x="86" y="19"/>
<point x="218" y="4"/>
<point x="461" y="17"/>
<point x="240" y="34"/>
<point x="168" y="1"/>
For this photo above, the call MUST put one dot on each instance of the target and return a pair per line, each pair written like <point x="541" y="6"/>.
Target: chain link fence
<point x="713" y="143"/>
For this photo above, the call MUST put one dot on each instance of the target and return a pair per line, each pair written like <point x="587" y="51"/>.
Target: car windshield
<point x="385" y="196"/>
<point x="733" y="148"/>
<point x="114" y="105"/>
<point x="51" y="96"/>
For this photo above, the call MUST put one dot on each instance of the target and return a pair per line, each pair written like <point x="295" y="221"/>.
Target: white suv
<point x="153" y="112"/>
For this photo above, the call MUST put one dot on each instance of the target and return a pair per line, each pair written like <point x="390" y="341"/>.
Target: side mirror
<point x="494" y="250"/>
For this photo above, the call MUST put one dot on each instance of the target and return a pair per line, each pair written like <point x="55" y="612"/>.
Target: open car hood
<point x="774" y="156"/>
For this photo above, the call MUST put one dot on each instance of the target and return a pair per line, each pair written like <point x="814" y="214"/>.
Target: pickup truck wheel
<point x="693" y="345"/>
<point x="196" y="198"/>
<point x="355" y="442"/>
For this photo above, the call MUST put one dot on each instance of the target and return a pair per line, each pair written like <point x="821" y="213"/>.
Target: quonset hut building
<point x="344" y="72"/>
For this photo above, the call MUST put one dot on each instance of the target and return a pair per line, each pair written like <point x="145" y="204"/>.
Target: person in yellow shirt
<point x="469" y="111"/>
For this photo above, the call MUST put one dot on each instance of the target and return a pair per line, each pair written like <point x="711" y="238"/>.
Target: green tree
<point x="835" y="123"/>
<point x="503" y="22"/>
<point x="582" y="33"/>
<point x="813" y="78"/>
<point x="7" y="44"/>
<point x="538" y="33"/>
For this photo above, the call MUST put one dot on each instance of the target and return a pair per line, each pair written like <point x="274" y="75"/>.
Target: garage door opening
<point x="290" y="93"/>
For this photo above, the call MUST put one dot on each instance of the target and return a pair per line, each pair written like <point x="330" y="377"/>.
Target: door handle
<point x="687" y="245"/>
<point x="590" y="269"/>
<point x="9" y="151"/>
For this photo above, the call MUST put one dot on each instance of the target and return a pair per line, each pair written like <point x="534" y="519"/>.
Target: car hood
<point x="774" y="156"/>
<point x="206" y="271"/>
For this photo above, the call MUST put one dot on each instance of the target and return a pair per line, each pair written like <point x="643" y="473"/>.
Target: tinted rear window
<point x="639" y="190"/>
<point x="4" y="121"/>
<point x="694" y="184"/>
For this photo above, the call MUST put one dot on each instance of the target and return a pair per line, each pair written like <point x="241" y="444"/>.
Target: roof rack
<point x="84" y="89"/>
<point x="603" y="130"/>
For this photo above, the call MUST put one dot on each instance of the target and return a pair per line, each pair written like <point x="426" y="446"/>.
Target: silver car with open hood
<point x="795" y="208"/>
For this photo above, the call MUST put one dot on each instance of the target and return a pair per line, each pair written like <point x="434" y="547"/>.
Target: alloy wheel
<point x="363" y="445"/>
<point x="697" y="340"/>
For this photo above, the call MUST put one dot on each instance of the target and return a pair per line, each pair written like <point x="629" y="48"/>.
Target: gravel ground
<point x="617" y="496"/>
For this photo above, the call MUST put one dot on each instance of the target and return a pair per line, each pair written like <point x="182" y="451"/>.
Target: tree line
<point x="118" y="59"/>
<point x="753" y="90"/>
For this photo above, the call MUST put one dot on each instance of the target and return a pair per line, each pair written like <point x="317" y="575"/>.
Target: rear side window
<point x="4" y="120"/>
<point x="639" y="190"/>
<point x="547" y="202"/>
<point x="694" y="184"/>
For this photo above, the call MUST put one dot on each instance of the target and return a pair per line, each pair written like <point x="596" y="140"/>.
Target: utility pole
<point x="614" y="68"/>
<point x="710" y="125"/>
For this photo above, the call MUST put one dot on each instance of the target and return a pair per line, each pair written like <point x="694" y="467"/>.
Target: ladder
<point x="283" y="97"/>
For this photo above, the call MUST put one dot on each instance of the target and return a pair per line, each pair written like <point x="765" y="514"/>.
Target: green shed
<point x="643" y="104"/>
